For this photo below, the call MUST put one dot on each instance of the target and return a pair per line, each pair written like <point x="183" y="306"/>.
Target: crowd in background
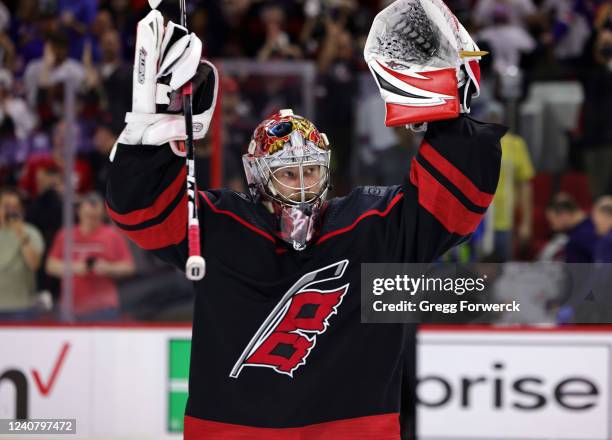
<point x="46" y="44"/>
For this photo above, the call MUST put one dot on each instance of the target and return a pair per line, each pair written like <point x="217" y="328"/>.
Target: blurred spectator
<point x="27" y="32"/>
<point x="102" y="24"/>
<point x="111" y="77"/>
<point x="603" y="18"/>
<point x="277" y="43"/>
<point x="230" y="30"/>
<point x="116" y="78"/>
<point x="5" y="16"/>
<point x="513" y="190"/>
<point x="338" y="86"/>
<point x="519" y="11"/>
<point x="44" y="77"/>
<point x="238" y="123"/>
<point x="7" y="48"/>
<point x="21" y="248"/>
<point x="571" y="26"/>
<point x="16" y="119"/>
<point x="125" y="20"/>
<point x="597" y="129"/>
<point x="508" y="41"/>
<point x="75" y="17"/>
<point x="534" y="286"/>
<point x="104" y="140"/>
<point x="45" y="213"/>
<point x="198" y="24"/>
<point x="565" y="217"/>
<point x="347" y="13"/>
<point x="384" y="153"/>
<point x="29" y="182"/>
<point x="602" y="218"/>
<point x="100" y="256"/>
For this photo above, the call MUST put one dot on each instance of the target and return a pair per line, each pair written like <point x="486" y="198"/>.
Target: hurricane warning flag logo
<point x="289" y="333"/>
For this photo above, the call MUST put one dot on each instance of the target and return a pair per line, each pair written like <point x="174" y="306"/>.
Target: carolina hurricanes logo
<point x="289" y="333"/>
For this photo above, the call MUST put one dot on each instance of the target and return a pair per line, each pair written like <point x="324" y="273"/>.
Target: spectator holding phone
<point x="100" y="257"/>
<point x="21" y="248"/>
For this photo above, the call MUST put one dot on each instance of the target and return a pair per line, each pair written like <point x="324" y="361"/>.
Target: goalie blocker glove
<point x="165" y="60"/>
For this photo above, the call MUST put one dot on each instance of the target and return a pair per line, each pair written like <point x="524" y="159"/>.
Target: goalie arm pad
<point x="146" y="200"/>
<point x="452" y="182"/>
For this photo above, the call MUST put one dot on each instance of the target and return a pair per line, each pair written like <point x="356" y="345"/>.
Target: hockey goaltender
<point x="278" y="350"/>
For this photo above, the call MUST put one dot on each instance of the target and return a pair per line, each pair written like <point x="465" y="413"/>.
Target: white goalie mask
<point x="287" y="166"/>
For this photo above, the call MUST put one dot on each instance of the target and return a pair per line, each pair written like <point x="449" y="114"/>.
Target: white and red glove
<point x="424" y="62"/>
<point x="167" y="58"/>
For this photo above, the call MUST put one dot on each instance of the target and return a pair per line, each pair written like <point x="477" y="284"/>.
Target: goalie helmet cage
<point x="242" y="68"/>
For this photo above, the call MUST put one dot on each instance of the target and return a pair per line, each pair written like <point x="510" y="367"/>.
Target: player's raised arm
<point x="426" y="66"/>
<point x="146" y="191"/>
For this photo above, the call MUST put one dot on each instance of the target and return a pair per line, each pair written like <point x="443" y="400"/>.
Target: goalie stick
<point x="195" y="268"/>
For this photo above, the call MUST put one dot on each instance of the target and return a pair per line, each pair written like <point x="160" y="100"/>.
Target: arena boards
<point x="485" y="383"/>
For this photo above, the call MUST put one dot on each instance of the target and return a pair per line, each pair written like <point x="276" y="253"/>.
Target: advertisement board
<point x="131" y="382"/>
<point x="514" y="385"/>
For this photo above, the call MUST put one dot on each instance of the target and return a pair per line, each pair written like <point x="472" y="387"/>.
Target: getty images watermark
<point x="37" y="426"/>
<point x="509" y="293"/>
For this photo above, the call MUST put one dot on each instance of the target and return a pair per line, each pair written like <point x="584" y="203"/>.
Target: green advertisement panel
<point x="178" y="378"/>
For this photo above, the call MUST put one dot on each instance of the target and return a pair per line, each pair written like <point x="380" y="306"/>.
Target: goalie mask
<point x="287" y="167"/>
<point x="424" y="62"/>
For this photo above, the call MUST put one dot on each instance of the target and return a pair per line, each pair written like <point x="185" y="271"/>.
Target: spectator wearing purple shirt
<point x="566" y="217"/>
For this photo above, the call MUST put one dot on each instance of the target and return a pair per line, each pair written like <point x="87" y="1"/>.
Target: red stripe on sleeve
<point x="440" y="203"/>
<point x="170" y="232"/>
<point x="378" y="427"/>
<point x="161" y="203"/>
<point x="456" y="177"/>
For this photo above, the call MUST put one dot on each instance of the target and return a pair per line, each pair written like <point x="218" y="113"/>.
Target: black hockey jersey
<point x="278" y="350"/>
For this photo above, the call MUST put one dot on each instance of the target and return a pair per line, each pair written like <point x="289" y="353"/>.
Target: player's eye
<point x="288" y="174"/>
<point x="309" y="171"/>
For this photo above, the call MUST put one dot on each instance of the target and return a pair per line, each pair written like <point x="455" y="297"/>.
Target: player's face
<point x="287" y="181"/>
